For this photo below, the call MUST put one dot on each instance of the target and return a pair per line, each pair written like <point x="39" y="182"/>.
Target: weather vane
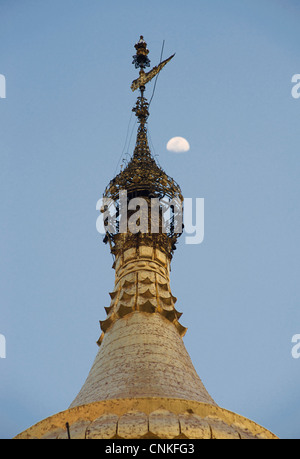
<point x="141" y="60"/>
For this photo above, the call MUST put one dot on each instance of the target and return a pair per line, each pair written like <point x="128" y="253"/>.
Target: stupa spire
<point x="142" y="384"/>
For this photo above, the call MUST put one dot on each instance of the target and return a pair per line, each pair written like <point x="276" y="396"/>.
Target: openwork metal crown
<point x="140" y="59"/>
<point x="142" y="176"/>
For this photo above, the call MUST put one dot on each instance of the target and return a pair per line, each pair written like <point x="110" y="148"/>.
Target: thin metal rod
<point x="161" y="54"/>
<point x="68" y="430"/>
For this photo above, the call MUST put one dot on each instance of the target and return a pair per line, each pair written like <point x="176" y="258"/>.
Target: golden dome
<point x="147" y="418"/>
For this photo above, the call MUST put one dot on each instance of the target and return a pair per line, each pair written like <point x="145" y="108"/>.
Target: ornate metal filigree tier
<point x="142" y="176"/>
<point x="140" y="59"/>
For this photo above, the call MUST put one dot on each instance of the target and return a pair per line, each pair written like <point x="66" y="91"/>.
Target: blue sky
<point x="63" y="125"/>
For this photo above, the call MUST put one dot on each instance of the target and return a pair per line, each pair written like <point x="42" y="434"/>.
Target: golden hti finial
<point x="142" y="176"/>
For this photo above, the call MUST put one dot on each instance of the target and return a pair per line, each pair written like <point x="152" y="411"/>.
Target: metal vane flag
<point x="141" y="60"/>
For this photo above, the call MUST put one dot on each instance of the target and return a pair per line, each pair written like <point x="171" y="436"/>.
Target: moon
<point x="178" y="145"/>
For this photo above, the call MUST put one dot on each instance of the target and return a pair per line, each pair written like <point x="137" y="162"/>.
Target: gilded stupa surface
<point x="142" y="384"/>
